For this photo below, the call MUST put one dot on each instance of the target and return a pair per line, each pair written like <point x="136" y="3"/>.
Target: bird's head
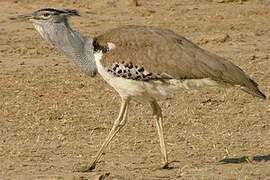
<point x="47" y="15"/>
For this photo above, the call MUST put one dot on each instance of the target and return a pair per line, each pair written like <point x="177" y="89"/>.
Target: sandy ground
<point x="52" y="116"/>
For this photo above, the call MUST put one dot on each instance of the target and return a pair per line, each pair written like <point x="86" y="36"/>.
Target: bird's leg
<point x="157" y="112"/>
<point x="118" y="124"/>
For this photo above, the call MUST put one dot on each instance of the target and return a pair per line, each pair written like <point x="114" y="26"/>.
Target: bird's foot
<point x="166" y="166"/>
<point x="84" y="167"/>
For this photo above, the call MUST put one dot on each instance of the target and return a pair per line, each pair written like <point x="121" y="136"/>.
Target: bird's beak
<point x="22" y="17"/>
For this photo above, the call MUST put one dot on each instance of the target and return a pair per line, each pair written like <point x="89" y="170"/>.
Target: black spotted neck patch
<point x="130" y="71"/>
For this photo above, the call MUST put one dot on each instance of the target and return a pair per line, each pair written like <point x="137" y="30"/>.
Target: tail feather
<point x="257" y="93"/>
<point x="253" y="89"/>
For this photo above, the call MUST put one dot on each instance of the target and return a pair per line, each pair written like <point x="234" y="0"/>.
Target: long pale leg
<point x="118" y="124"/>
<point x="157" y="112"/>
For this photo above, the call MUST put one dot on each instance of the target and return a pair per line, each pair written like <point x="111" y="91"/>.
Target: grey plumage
<point x="76" y="47"/>
<point x="59" y="34"/>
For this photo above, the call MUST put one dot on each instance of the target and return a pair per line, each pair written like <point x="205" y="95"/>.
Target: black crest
<point x="72" y="12"/>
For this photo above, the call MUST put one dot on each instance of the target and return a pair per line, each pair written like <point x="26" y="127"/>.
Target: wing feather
<point x="163" y="51"/>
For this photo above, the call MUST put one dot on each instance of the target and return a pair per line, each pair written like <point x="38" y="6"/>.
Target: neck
<point x="74" y="45"/>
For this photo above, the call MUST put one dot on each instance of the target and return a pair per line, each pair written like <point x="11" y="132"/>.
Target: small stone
<point x="146" y="12"/>
<point x="102" y="176"/>
<point x="81" y="85"/>
<point x="133" y="3"/>
<point x="253" y="57"/>
<point x="249" y="158"/>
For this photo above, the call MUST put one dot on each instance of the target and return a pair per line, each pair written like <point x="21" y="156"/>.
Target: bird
<point x="141" y="63"/>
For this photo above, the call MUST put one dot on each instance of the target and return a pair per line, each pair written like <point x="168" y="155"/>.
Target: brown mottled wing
<point x="163" y="51"/>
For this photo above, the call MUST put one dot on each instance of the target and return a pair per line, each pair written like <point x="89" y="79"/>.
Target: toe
<point x="83" y="168"/>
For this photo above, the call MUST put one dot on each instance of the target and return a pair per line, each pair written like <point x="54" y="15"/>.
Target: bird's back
<point x="162" y="51"/>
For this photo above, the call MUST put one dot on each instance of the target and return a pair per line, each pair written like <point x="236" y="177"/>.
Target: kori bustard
<point x="139" y="62"/>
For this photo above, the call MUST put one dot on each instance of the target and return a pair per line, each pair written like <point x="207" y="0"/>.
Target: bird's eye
<point x="46" y="15"/>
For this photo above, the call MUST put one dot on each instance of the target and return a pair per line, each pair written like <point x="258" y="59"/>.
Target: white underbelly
<point x="147" y="89"/>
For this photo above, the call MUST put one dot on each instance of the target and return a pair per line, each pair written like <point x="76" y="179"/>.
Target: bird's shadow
<point x="245" y="159"/>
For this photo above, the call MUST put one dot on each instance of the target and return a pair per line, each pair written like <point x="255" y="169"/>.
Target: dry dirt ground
<point x="52" y="116"/>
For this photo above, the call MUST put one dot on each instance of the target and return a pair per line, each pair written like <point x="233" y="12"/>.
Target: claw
<point x="166" y="166"/>
<point x="84" y="168"/>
